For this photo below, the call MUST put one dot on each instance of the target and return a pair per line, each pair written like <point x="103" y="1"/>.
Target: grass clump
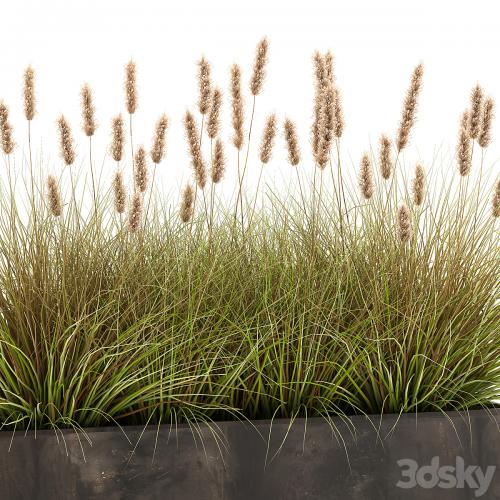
<point x="338" y="296"/>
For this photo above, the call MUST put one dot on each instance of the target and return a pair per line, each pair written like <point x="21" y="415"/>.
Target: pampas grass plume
<point x="6" y="130"/>
<point x="418" y="185"/>
<point x="266" y="146"/>
<point x="192" y="136"/>
<point x="141" y="169"/>
<point x="219" y="162"/>
<point x="158" y="148"/>
<point x="119" y="191"/>
<point x="385" y="158"/>
<point x="118" y="138"/>
<point x="292" y="142"/>
<point x="131" y="93"/>
<point x="66" y="144"/>
<point x="29" y="93"/>
<point x="409" y="108"/>
<point x="237" y="113"/>
<point x="88" y="110"/>
<point x="476" y="107"/>
<point x="259" y="73"/>
<point x="187" y="204"/>
<point x="405" y="230"/>
<point x="484" y="137"/>
<point x="54" y="196"/>
<point x="213" y="123"/>
<point x="366" y="177"/>
<point x="204" y="85"/>
<point x="135" y="213"/>
<point x="327" y="125"/>
<point x="464" y="153"/>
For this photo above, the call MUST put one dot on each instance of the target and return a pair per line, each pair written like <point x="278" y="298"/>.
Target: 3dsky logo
<point x="445" y="476"/>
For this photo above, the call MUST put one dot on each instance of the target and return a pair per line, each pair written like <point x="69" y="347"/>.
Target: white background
<point x="376" y="45"/>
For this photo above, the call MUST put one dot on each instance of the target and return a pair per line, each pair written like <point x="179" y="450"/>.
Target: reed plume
<point x="88" y="110"/>
<point x="237" y="107"/>
<point x="366" y="177"/>
<point x="158" y="148"/>
<point x="329" y="74"/>
<point x="405" y="229"/>
<point x="66" y="144"/>
<point x="204" y="85"/>
<point x="118" y="138"/>
<point x="418" y="185"/>
<point x="135" y="213"/>
<point x="6" y="129"/>
<point x="484" y="137"/>
<point x="292" y="142"/>
<point x="29" y="93"/>
<point x="54" y="196"/>
<point x="464" y="153"/>
<point x="409" y="108"/>
<point x="187" y="204"/>
<point x="266" y="146"/>
<point x="326" y="126"/>
<point x="319" y="73"/>
<point x="476" y="107"/>
<point x="213" y="123"/>
<point x="495" y="203"/>
<point x="339" y="114"/>
<point x="141" y="169"/>
<point x="193" y="140"/>
<point x="259" y="72"/>
<point x="218" y="162"/>
<point x="119" y="192"/>
<point x="385" y="158"/>
<point x="131" y="87"/>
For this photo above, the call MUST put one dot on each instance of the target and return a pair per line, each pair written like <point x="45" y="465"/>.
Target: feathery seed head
<point x="141" y="169"/>
<point x="54" y="196"/>
<point x="366" y="177"/>
<point x="213" y="123"/>
<point x="187" y="204"/>
<point x="385" y="158"/>
<point x="418" y="185"/>
<point x="495" y="204"/>
<point x="405" y="227"/>
<point x="484" y="137"/>
<point x="476" y="107"/>
<point x="328" y="67"/>
<point x="29" y="93"/>
<point x="66" y="144"/>
<point x="88" y="110"/>
<point x="135" y="213"/>
<point x="131" y="87"/>
<point x="118" y="138"/>
<point x="327" y="125"/>
<point x="292" y="142"/>
<point x="120" y="194"/>
<point x="197" y="162"/>
<point x="259" y="72"/>
<point x="237" y="115"/>
<point x="339" y="114"/>
<point x="204" y="85"/>
<point x="219" y="162"/>
<point x="464" y="153"/>
<point x="266" y="146"/>
<point x="6" y="130"/>
<point x="409" y="108"/>
<point x="319" y="84"/>
<point x="158" y="149"/>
